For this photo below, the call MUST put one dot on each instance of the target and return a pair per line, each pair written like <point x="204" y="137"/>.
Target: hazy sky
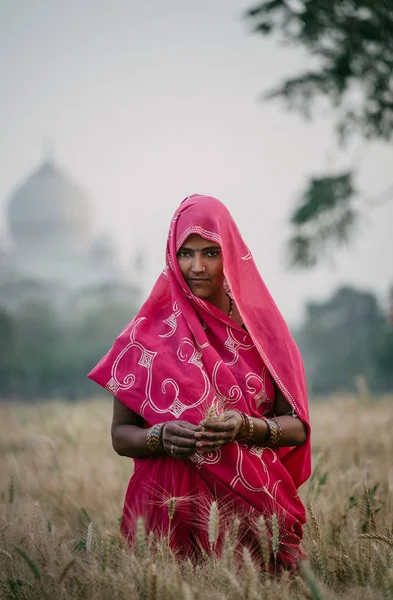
<point x="148" y="102"/>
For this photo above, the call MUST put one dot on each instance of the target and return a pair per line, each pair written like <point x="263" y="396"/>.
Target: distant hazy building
<point x="52" y="247"/>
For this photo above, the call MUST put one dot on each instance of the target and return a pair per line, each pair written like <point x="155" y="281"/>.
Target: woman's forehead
<point x="196" y="241"/>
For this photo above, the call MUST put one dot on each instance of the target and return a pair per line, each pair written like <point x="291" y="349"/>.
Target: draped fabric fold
<point x="179" y="357"/>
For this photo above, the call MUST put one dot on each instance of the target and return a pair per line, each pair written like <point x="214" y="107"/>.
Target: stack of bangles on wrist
<point x="154" y="438"/>
<point x="247" y="430"/>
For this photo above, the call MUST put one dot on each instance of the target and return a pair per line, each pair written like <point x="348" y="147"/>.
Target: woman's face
<point x="200" y="262"/>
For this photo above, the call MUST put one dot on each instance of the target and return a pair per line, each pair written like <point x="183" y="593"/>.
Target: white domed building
<point x="51" y="236"/>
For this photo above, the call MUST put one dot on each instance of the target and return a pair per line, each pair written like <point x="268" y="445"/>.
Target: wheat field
<point x="61" y="494"/>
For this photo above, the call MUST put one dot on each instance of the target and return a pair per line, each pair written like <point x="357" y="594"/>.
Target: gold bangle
<point x="274" y="436"/>
<point x="279" y="432"/>
<point x="250" y="427"/>
<point x="241" y="431"/>
<point x="154" y="438"/>
<point x="247" y="428"/>
<point x="269" y="430"/>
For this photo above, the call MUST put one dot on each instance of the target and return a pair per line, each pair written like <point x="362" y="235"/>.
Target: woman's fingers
<point x="216" y="444"/>
<point x="210" y="446"/>
<point x="220" y="433"/>
<point x="188" y="431"/>
<point x="188" y="426"/>
<point x="173" y="428"/>
<point x="179" y="447"/>
<point x="219" y="425"/>
<point x="181" y="439"/>
<point x="182" y="442"/>
<point x="184" y="429"/>
<point x="178" y="452"/>
<point x="212" y="436"/>
<point x="218" y="430"/>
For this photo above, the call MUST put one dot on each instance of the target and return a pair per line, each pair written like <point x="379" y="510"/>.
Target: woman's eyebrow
<point x="207" y="249"/>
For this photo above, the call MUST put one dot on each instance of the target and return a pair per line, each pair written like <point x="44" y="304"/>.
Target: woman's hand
<point x="178" y="438"/>
<point x="219" y="432"/>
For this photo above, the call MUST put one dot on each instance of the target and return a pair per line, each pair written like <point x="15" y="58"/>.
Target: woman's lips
<point x="198" y="282"/>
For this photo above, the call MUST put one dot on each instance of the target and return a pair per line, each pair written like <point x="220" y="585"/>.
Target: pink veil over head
<point x="162" y="365"/>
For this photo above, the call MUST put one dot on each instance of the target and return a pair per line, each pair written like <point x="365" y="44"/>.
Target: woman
<point x="209" y="395"/>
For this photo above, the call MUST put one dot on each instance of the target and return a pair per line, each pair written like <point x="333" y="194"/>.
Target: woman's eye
<point x="183" y="253"/>
<point x="213" y="253"/>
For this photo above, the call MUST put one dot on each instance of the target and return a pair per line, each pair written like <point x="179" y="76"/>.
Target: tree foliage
<point x="324" y="218"/>
<point x="44" y="356"/>
<point x="351" y="47"/>
<point x="346" y="337"/>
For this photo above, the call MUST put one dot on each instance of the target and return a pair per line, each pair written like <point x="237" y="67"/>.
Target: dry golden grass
<point x="61" y="495"/>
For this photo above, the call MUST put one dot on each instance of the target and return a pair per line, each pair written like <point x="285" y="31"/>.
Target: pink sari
<point x="179" y="357"/>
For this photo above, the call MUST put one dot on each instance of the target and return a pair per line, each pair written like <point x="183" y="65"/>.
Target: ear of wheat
<point x="264" y="542"/>
<point x="377" y="536"/>
<point x="250" y="575"/>
<point x="213" y="525"/>
<point x="89" y="537"/>
<point x="140" y="538"/>
<point x="314" y="521"/>
<point x="275" y="539"/>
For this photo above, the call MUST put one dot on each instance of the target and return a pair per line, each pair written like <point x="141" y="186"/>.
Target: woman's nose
<point x="197" y="263"/>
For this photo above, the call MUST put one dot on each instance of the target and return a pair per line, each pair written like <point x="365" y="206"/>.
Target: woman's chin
<point x="201" y="290"/>
<point x="201" y="294"/>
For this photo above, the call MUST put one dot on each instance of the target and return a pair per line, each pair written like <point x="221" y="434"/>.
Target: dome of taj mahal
<point x="49" y="205"/>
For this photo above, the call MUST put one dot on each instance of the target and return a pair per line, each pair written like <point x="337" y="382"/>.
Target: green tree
<point x="7" y="332"/>
<point x="351" y="45"/>
<point x="44" y="355"/>
<point x="7" y="340"/>
<point x="342" y="339"/>
<point x="384" y="359"/>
